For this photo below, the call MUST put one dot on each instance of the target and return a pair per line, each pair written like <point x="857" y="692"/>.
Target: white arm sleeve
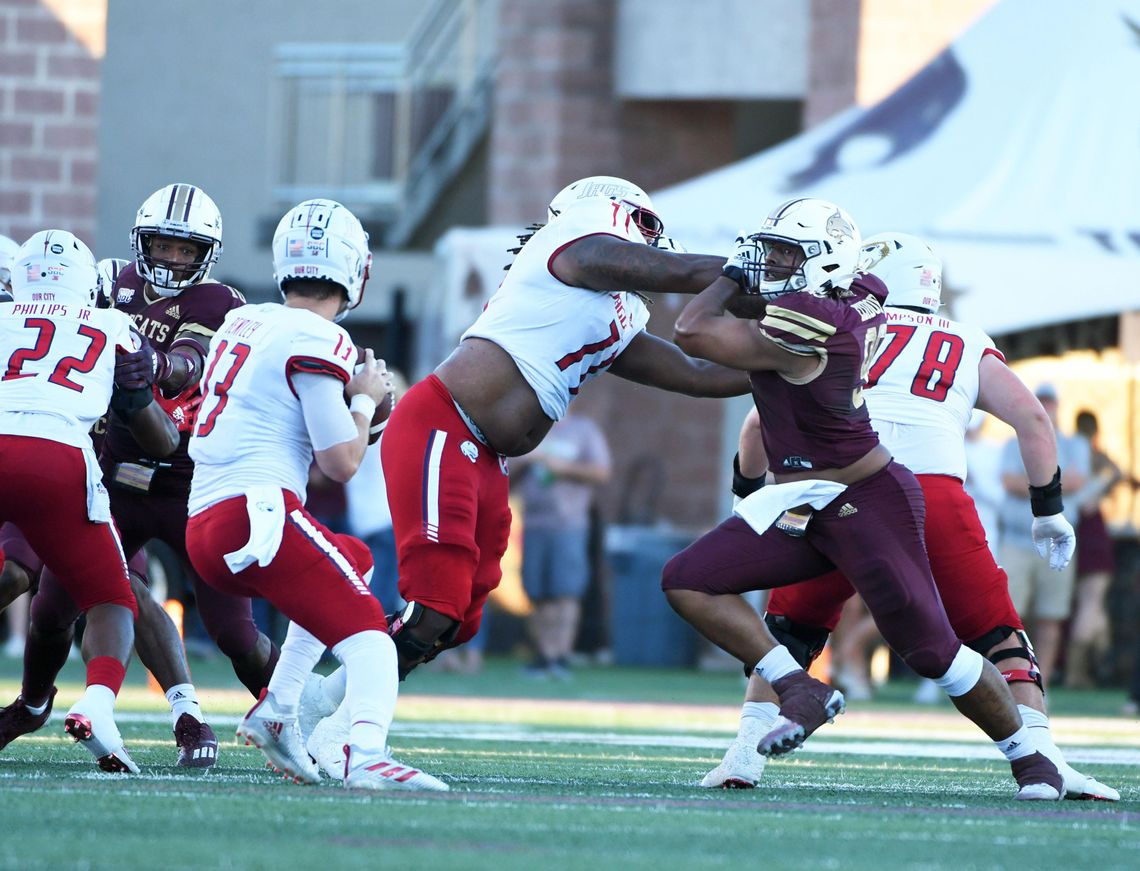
<point x="327" y="418"/>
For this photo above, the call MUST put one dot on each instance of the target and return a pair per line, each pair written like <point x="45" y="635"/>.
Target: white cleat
<point x="379" y="771"/>
<point x="741" y="767"/>
<point x="314" y="705"/>
<point x="99" y="735"/>
<point x="327" y="742"/>
<point x="1081" y="787"/>
<point x="279" y="739"/>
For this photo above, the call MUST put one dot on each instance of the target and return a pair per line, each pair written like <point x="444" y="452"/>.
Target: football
<point x="380" y="418"/>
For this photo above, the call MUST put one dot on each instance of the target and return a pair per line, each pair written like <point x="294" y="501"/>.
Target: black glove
<point x="127" y="401"/>
<point x="742" y="485"/>
<point x="138" y="369"/>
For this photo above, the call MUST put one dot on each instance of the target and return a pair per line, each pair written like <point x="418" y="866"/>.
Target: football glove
<point x="141" y="368"/>
<point x="1054" y="539"/>
<point x="745" y="263"/>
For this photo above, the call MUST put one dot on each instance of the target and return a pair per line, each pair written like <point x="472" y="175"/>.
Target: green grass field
<point x="596" y="773"/>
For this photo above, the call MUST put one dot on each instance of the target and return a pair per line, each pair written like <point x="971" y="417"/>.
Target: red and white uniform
<point x="249" y="533"/>
<point x="57" y="381"/>
<point x="922" y="388"/>
<point x="447" y="488"/>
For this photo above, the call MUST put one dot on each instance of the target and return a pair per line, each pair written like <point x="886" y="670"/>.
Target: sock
<point x="334" y="686"/>
<point x="44" y="657"/>
<point x="757" y="719"/>
<point x="1018" y="745"/>
<point x="98" y="696"/>
<point x="184" y="700"/>
<point x="777" y="663"/>
<point x="108" y="672"/>
<point x="300" y="651"/>
<point x="369" y="659"/>
<point x="1038" y="724"/>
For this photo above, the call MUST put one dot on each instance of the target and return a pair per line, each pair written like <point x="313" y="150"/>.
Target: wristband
<point x="741" y="484"/>
<point x="363" y="404"/>
<point x="127" y="402"/>
<point x="735" y="273"/>
<point x="1046" y="501"/>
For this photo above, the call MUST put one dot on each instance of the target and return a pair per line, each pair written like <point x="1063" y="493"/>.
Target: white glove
<point x="668" y="243"/>
<point x="1054" y="539"/>
<point x="745" y="263"/>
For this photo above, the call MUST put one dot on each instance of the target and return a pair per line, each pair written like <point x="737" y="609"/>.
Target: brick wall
<point x="49" y="97"/>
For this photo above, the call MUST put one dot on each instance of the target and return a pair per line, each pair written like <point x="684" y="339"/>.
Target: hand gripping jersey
<point x="821" y="420"/>
<point x="251" y="429"/>
<point x="59" y="368"/>
<point x="168" y="322"/>
<point x="561" y="336"/>
<point x="922" y="388"/>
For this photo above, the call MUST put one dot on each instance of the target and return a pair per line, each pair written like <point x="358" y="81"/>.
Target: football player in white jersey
<point x="568" y="309"/>
<point x="928" y="376"/>
<point x="274" y="400"/>
<point x="58" y="380"/>
<point x="8" y="249"/>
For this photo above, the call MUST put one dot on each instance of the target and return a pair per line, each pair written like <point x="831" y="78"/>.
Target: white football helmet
<point x="184" y="212"/>
<point x="109" y="269"/>
<point x="55" y="266"/>
<point x="322" y="239"/>
<point x="828" y="238"/>
<point x="632" y="199"/>
<point x="8" y="249"/>
<point x="908" y="267"/>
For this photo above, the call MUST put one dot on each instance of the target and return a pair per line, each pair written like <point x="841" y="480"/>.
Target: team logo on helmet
<point x="838" y="227"/>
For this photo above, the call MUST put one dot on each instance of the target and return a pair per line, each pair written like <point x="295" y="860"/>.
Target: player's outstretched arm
<point x="607" y="263"/>
<point x="652" y="361"/>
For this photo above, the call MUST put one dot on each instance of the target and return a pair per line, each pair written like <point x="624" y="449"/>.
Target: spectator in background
<point x="983" y="478"/>
<point x="557" y="488"/>
<point x="1040" y="594"/>
<point x="1089" y="629"/>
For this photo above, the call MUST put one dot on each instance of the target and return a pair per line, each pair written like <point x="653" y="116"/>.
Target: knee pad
<point x="1025" y="651"/>
<point x="804" y="642"/>
<point x="420" y="635"/>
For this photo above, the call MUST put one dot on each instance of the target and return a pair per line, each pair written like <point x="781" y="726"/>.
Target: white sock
<point x="776" y="664"/>
<point x="1038" y="723"/>
<point x="184" y="700"/>
<point x="757" y="719"/>
<point x="369" y="660"/>
<point x="98" y="696"/>
<point x="300" y="651"/>
<point x="334" y="685"/>
<point x="1020" y="744"/>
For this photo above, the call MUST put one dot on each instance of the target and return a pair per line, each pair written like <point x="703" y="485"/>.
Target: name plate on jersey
<point x="132" y="476"/>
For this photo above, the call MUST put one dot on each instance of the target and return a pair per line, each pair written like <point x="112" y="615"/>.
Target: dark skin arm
<point x="153" y="430"/>
<point x="655" y="362"/>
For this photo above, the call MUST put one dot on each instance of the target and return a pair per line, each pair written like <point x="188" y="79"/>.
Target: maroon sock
<point x="44" y="657"/>
<point x="106" y="671"/>
<point x="256" y="678"/>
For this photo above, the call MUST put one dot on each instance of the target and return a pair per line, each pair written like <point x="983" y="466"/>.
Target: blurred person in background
<point x="1042" y="592"/>
<point x="557" y="486"/>
<point x="983" y="478"/>
<point x="1089" y="628"/>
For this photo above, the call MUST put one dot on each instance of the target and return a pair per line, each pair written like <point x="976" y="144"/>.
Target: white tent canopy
<point x="1016" y="152"/>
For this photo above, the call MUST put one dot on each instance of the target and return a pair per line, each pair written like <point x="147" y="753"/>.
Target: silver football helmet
<point x="8" y="249"/>
<point x="632" y="199"/>
<point x="109" y="269"/>
<point x="55" y="266"/>
<point x="823" y="233"/>
<point x="322" y="239"/>
<point x="908" y="267"/>
<point x="181" y="211"/>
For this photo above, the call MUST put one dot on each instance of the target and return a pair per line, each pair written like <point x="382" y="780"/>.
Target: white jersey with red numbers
<point x="251" y="429"/>
<point x="936" y="360"/>
<point x="561" y="336"/>
<point x="58" y="368"/>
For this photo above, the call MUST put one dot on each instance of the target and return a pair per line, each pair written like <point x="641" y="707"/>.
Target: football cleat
<point x="17" y="720"/>
<point x="740" y="769"/>
<point x="100" y="737"/>
<point x="805" y="705"/>
<point x="197" y="743"/>
<point x="279" y="739"/>
<point x="314" y="705"/>
<point x="379" y="771"/>
<point x="1081" y="787"/>
<point x="1038" y="778"/>
<point x="326" y="744"/>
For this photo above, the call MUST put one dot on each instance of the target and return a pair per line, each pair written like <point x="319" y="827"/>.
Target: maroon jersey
<point x="821" y="423"/>
<point x="168" y="322"/>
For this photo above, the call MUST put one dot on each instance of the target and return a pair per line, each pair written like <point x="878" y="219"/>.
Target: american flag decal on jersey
<point x="178" y="209"/>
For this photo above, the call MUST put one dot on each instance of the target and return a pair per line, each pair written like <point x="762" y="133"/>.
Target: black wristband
<point x="127" y="402"/>
<point x="736" y="274"/>
<point x="742" y="485"/>
<point x="1046" y="501"/>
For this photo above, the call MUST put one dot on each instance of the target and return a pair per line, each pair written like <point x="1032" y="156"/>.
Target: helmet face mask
<point x="624" y="194"/>
<point x="808" y="245"/>
<point x="108" y="270"/>
<point x="179" y="212"/>
<point x="55" y="266"/>
<point x="322" y="240"/>
<point x="908" y="266"/>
